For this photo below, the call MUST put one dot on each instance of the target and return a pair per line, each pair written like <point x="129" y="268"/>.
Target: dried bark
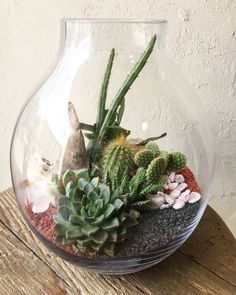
<point x="75" y="154"/>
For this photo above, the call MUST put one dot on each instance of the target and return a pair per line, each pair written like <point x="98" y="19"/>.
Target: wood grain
<point x="205" y="264"/>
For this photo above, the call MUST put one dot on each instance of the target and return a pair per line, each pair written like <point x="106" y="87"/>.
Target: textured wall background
<point x="201" y="41"/>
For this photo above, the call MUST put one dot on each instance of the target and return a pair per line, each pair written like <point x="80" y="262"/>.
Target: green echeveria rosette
<point x="91" y="217"/>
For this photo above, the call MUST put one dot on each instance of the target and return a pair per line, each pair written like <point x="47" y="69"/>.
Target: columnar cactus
<point x="116" y="160"/>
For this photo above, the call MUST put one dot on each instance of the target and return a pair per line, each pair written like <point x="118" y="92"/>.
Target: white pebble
<point x="178" y="204"/>
<point x="165" y="186"/>
<point x="184" y="196"/>
<point x="40" y="207"/>
<point x="182" y="186"/>
<point x="194" y="197"/>
<point x="175" y="193"/>
<point x="157" y="200"/>
<point x="172" y="186"/>
<point x="172" y="176"/>
<point x="160" y="193"/>
<point x="169" y="200"/>
<point x="165" y="206"/>
<point x="179" y="178"/>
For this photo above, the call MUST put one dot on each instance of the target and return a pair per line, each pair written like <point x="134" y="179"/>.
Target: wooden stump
<point x="205" y="264"/>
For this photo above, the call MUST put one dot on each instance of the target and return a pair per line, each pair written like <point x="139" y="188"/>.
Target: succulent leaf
<point x="111" y="224"/>
<point x="74" y="232"/>
<point x="100" y="237"/>
<point x="89" y="229"/>
<point x="68" y="176"/>
<point x="109" y="210"/>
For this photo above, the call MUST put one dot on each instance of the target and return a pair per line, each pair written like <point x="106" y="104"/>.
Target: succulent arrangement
<point x="103" y="187"/>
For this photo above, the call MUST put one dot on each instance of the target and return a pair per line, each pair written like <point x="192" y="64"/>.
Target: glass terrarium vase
<point x="112" y="158"/>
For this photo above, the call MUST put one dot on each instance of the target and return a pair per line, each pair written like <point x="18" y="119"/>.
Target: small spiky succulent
<point x="153" y="187"/>
<point x="177" y="161"/>
<point x="117" y="158"/>
<point x="143" y="158"/>
<point x="138" y="188"/>
<point x="154" y="148"/>
<point x="91" y="217"/>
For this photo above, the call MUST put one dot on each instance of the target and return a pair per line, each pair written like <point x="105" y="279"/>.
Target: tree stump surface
<point x="205" y="264"/>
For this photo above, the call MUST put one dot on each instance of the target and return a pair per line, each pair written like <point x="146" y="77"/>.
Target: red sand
<point x="190" y="179"/>
<point x="44" y="222"/>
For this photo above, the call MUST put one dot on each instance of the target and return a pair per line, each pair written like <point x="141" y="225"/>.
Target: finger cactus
<point x="155" y="169"/>
<point x="92" y="218"/>
<point x="137" y="179"/>
<point x="177" y="161"/>
<point x="165" y="155"/>
<point x="154" y="148"/>
<point x="143" y="158"/>
<point x="116" y="160"/>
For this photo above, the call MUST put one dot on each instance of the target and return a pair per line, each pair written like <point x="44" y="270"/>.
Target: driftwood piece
<point x="75" y="154"/>
<point x="205" y="264"/>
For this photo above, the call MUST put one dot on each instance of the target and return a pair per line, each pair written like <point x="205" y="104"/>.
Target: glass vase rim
<point x="114" y="20"/>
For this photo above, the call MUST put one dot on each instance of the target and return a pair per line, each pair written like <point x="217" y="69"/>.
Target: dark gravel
<point x="156" y="229"/>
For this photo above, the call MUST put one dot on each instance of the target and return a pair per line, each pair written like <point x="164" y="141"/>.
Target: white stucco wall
<point x="201" y="41"/>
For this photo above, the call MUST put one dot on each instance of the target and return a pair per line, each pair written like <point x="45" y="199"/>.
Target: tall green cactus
<point x="116" y="160"/>
<point x="107" y="126"/>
